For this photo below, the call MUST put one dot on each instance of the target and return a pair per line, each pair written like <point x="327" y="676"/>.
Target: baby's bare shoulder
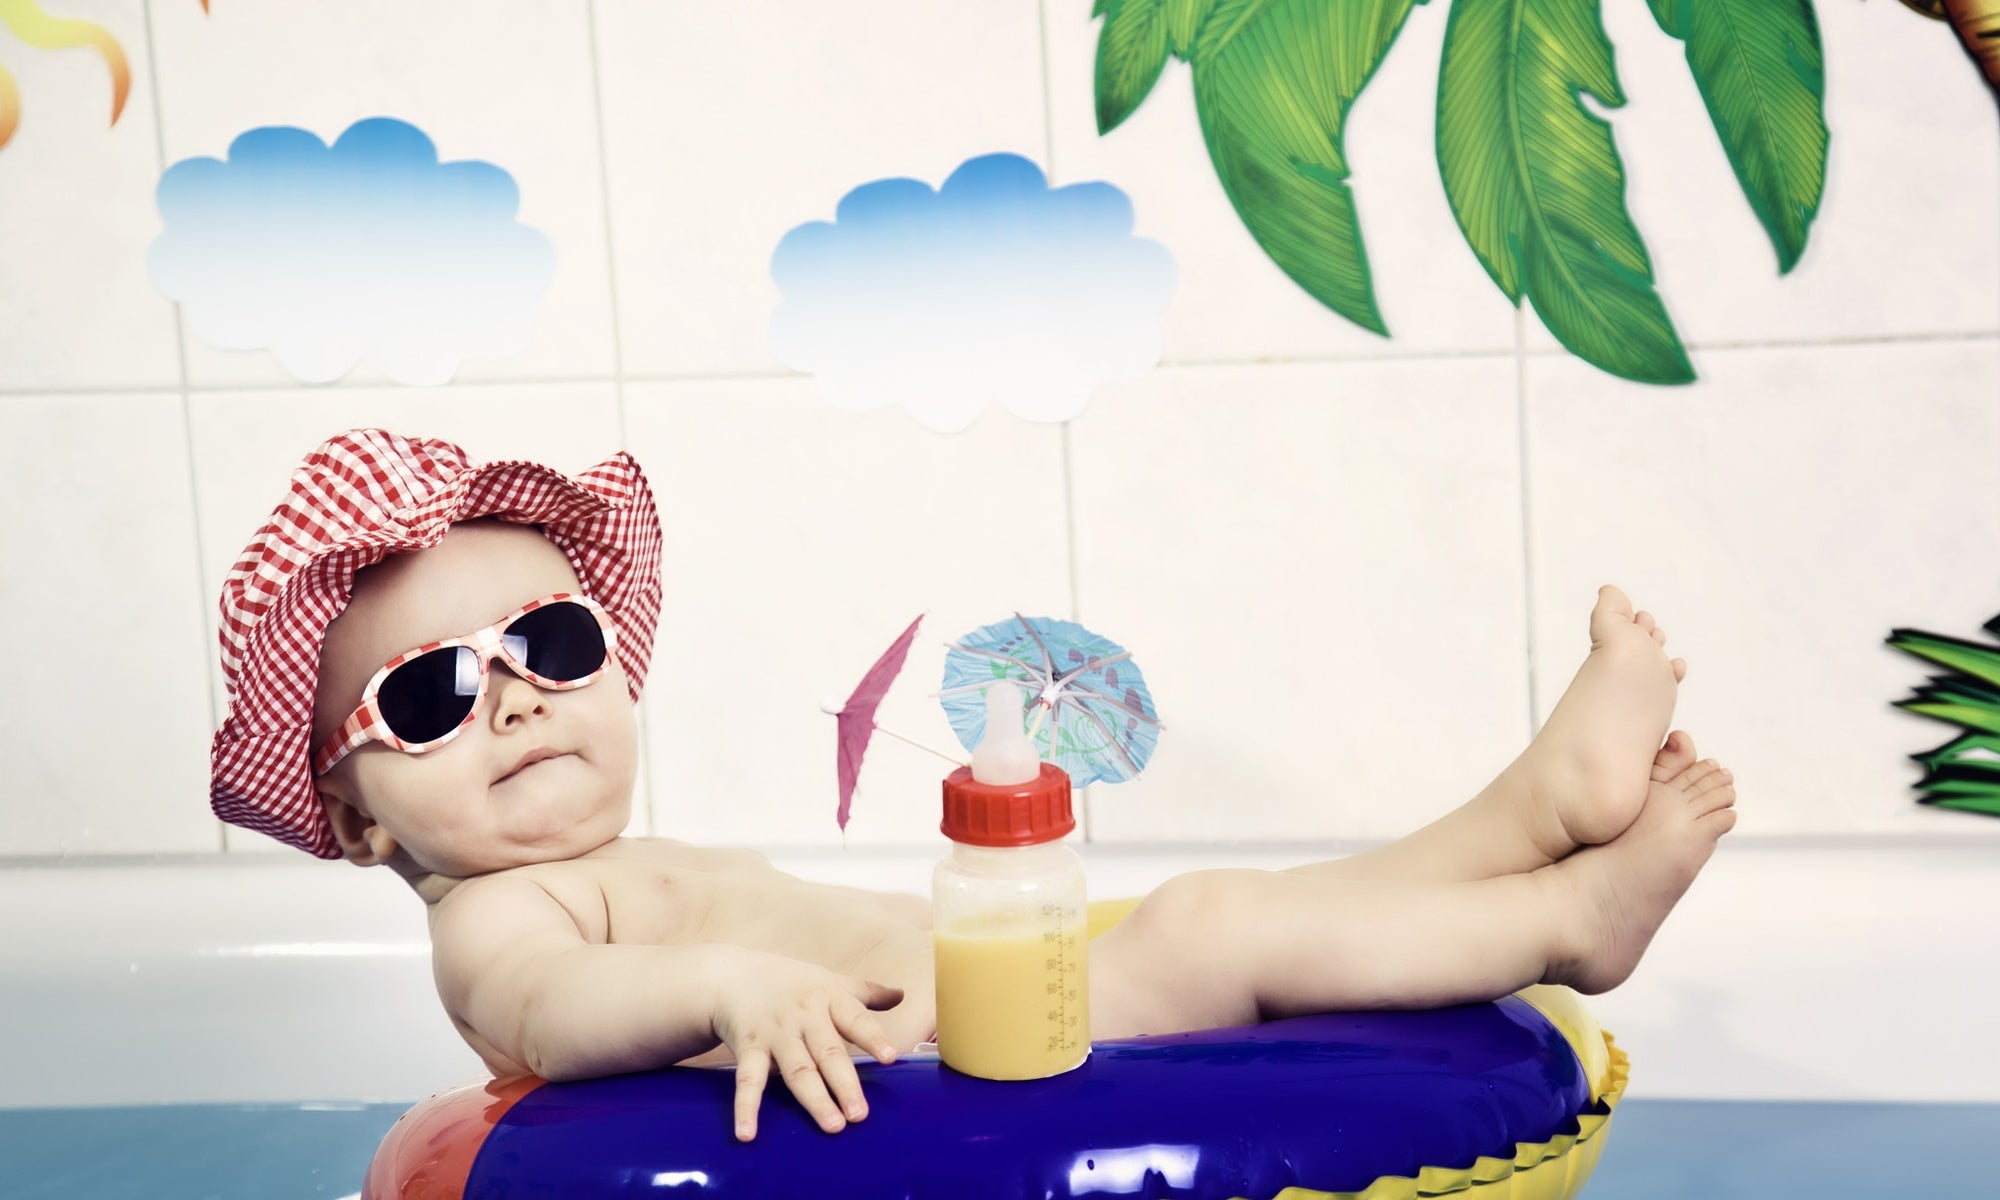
<point x="544" y="896"/>
<point x="666" y="852"/>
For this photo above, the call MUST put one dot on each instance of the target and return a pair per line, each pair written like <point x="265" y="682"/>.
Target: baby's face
<point x="469" y="806"/>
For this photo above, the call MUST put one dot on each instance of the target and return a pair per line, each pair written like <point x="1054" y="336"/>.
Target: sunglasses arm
<point x="350" y="737"/>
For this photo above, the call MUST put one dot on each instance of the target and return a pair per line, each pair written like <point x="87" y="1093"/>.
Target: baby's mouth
<point x="531" y="759"/>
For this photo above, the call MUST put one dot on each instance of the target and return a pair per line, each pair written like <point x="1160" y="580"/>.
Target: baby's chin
<point x="555" y="832"/>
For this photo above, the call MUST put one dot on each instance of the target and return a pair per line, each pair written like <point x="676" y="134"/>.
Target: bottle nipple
<point x="1004" y="755"/>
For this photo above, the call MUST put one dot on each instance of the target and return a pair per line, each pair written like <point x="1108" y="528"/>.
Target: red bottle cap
<point x="1013" y="814"/>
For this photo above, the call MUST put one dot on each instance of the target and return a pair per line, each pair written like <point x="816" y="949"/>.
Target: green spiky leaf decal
<point x="1965" y="773"/>
<point x="1537" y="184"/>
<point x="1758" y="65"/>
<point x="1968" y="658"/>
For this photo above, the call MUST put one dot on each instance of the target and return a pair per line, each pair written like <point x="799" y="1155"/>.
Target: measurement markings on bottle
<point x="1062" y="988"/>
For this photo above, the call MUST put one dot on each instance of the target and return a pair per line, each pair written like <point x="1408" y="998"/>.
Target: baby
<point x="433" y="664"/>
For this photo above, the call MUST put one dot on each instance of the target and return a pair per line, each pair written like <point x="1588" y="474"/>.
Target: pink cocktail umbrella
<point x="855" y="720"/>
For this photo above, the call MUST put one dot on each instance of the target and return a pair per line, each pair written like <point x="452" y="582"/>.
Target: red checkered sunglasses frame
<point x="366" y="724"/>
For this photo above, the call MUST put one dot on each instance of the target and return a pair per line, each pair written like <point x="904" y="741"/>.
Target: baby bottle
<point x="1008" y="917"/>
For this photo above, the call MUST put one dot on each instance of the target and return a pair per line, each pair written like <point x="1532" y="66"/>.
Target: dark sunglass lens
<point x="562" y="641"/>
<point x="427" y="697"/>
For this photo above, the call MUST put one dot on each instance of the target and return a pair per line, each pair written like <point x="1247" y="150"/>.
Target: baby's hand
<point x="800" y="1017"/>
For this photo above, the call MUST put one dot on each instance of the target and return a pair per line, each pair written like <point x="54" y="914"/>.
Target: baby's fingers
<point x="753" y="1067"/>
<point x="859" y="1026"/>
<point x="802" y="1076"/>
<point x="877" y="996"/>
<point x="837" y="1069"/>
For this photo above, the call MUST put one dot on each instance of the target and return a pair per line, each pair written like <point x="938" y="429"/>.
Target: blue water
<point x="1659" y="1150"/>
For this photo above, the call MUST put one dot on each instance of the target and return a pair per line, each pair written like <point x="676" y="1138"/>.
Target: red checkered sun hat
<point x="356" y="500"/>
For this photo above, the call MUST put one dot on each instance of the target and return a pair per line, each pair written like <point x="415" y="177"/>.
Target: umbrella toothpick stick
<point x="1036" y="722"/>
<point x="926" y="747"/>
<point x="833" y="708"/>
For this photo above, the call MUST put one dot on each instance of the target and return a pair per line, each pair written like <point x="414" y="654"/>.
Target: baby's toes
<point x="1680" y="666"/>
<point x="1717" y="822"/>
<point x="1613" y="610"/>
<point x="1716" y="789"/>
<point x="1674" y="757"/>
<point x="1690" y="779"/>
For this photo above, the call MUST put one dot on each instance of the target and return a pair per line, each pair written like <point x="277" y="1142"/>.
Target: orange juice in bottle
<point x="1008" y="912"/>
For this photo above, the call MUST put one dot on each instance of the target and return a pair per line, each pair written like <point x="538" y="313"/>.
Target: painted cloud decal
<point x="366" y="251"/>
<point x="993" y="289"/>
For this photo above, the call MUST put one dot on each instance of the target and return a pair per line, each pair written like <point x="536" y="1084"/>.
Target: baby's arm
<point x="511" y="965"/>
<point x="901" y="905"/>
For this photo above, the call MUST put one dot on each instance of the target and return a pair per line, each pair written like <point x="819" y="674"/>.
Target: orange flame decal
<point x="10" y="107"/>
<point x="28" y="22"/>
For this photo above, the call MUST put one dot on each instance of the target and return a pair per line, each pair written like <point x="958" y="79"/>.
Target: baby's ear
<point x="363" y="842"/>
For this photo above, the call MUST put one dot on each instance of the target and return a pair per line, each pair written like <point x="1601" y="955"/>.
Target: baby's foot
<point x="1585" y="775"/>
<point x="1612" y="898"/>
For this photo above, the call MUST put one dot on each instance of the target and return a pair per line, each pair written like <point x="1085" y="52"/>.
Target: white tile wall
<point x="1324" y="566"/>
<point x="1232" y="304"/>
<point x="105" y="714"/>
<point x="1349" y="532"/>
<point x="728" y="125"/>
<point x="1319" y="567"/>
<point x="76" y="216"/>
<point x="801" y="539"/>
<point x="1780" y="519"/>
<point x="503" y="81"/>
<point x="1907" y="241"/>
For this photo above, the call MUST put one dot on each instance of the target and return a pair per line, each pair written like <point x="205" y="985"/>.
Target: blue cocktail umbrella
<point x="1095" y="717"/>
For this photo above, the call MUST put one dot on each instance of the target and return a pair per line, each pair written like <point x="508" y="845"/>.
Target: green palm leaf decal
<point x="1758" y="65"/>
<point x="1273" y="80"/>
<point x="1137" y="36"/>
<point x="1130" y="52"/>
<point x="1537" y="185"/>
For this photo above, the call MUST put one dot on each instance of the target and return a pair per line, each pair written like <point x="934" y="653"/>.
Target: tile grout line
<point x="1048" y="97"/>
<point x="1527" y="508"/>
<point x="185" y="394"/>
<point x="1068" y="463"/>
<point x="617" y="333"/>
<point x="1861" y="841"/>
<point x="610" y="242"/>
<point x="1827" y="341"/>
<point x="1075" y="591"/>
<point x="1182" y="364"/>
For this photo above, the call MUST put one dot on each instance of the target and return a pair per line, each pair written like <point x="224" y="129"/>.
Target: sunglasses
<point x="422" y="698"/>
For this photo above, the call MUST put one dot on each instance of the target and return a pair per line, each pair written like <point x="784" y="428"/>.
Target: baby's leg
<point x="1579" y="782"/>
<point x="1217" y="948"/>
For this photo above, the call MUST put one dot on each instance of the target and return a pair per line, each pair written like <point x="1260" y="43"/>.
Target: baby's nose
<point x="514" y="697"/>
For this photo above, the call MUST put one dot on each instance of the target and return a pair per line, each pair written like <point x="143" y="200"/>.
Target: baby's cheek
<point x="613" y="737"/>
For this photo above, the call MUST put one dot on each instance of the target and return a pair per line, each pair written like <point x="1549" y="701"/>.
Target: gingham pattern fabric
<point x="354" y="501"/>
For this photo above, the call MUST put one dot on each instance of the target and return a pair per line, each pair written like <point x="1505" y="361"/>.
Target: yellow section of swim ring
<point x="1553" y="1170"/>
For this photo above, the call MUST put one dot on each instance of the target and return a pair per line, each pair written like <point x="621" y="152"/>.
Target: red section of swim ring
<point x="428" y="1152"/>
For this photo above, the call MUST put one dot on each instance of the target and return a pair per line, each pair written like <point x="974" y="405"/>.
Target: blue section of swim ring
<point x="1327" y="1102"/>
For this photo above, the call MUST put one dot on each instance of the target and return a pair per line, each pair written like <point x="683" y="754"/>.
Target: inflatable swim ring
<point x="1486" y="1101"/>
